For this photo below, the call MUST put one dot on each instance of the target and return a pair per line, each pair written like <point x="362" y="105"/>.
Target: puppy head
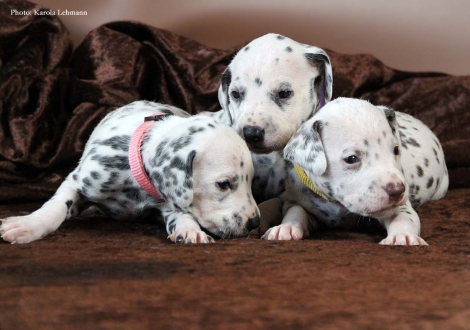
<point x="222" y="174"/>
<point x="271" y="87"/>
<point x="350" y="150"/>
<point x="207" y="171"/>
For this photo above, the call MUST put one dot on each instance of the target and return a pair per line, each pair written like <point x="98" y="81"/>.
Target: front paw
<point x="190" y="237"/>
<point x="19" y="230"/>
<point x="285" y="232"/>
<point x="403" y="239"/>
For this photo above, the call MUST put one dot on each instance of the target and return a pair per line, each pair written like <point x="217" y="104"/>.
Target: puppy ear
<point x="323" y="84"/>
<point x="391" y="118"/>
<point x="173" y="177"/>
<point x="305" y="148"/>
<point x="224" y="99"/>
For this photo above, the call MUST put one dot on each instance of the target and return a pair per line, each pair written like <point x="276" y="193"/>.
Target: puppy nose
<point x="395" y="190"/>
<point x="252" y="223"/>
<point x="253" y="134"/>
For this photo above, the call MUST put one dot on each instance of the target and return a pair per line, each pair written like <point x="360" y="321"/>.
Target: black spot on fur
<point x="118" y="142"/>
<point x="237" y="218"/>
<point x="87" y="182"/>
<point x="246" y="48"/>
<point x="225" y="82"/>
<point x="413" y="142"/>
<point x="288" y="49"/>
<point x="158" y="178"/>
<point x="426" y="162"/>
<point x="68" y="203"/>
<point x="419" y="170"/>
<point x="132" y="193"/>
<point x="280" y="37"/>
<point x="435" y="154"/>
<point x="194" y="130"/>
<point x="178" y="163"/>
<point x="118" y="162"/>
<point x="180" y="143"/>
<point x="258" y="81"/>
<point x="430" y="182"/>
<point x="111" y="180"/>
<point x="95" y="175"/>
<point x="75" y="177"/>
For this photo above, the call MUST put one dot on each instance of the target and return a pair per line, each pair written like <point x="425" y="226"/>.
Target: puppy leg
<point x="294" y="225"/>
<point x="25" y="229"/>
<point x="182" y="228"/>
<point x="404" y="228"/>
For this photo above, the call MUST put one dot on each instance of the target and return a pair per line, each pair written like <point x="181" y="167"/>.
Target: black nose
<point x="252" y="223"/>
<point x="395" y="190"/>
<point x="253" y="134"/>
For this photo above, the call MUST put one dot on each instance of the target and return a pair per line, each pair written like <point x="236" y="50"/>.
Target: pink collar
<point x="135" y="156"/>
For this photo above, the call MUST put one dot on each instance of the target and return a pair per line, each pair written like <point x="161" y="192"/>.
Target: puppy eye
<point x="284" y="94"/>
<point x="235" y="95"/>
<point x="224" y="185"/>
<point x="396" y="151"/>
<point x="351" y="159"/>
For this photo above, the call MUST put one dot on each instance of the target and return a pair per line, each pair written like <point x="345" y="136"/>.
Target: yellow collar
<point x="306" y="181"/>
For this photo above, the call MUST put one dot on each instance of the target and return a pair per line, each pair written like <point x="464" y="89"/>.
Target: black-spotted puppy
<point x="362" y="160"/>
<point x="270" y="88"/>
<point x="198" y="174"/>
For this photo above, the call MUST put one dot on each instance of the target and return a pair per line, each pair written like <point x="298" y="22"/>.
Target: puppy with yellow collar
<point x="355" y="159"/>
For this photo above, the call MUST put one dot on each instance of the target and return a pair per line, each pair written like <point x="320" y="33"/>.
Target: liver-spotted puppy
<point x="362" y="160"/>
<point x="270" y="88"/>
<point x="193" y="181"/>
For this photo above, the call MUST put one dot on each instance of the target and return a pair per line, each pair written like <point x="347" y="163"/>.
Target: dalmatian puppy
<point x="270" y="88"/>
<point x="353" y="159"/>
<point x="195" y="183"/>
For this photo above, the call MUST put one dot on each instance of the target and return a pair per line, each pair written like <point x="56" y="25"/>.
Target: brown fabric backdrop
<point x="51" y="97"/>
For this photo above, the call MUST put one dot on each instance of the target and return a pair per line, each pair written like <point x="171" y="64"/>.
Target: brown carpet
<point x="95" y="273"/>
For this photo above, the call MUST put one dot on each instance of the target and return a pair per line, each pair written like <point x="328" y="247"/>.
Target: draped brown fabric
<point x="51" y="98"/>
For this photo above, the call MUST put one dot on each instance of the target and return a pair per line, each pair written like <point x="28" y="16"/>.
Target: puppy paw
<point x="403" y="239"/>
<point x="19" y="230"/>
<point x="284" y="232"/>
<point x="190" y="237"/>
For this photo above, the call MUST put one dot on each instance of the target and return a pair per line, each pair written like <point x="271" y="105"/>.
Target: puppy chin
<point x="388" y="210"/>
<point x="373" y="211"/>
